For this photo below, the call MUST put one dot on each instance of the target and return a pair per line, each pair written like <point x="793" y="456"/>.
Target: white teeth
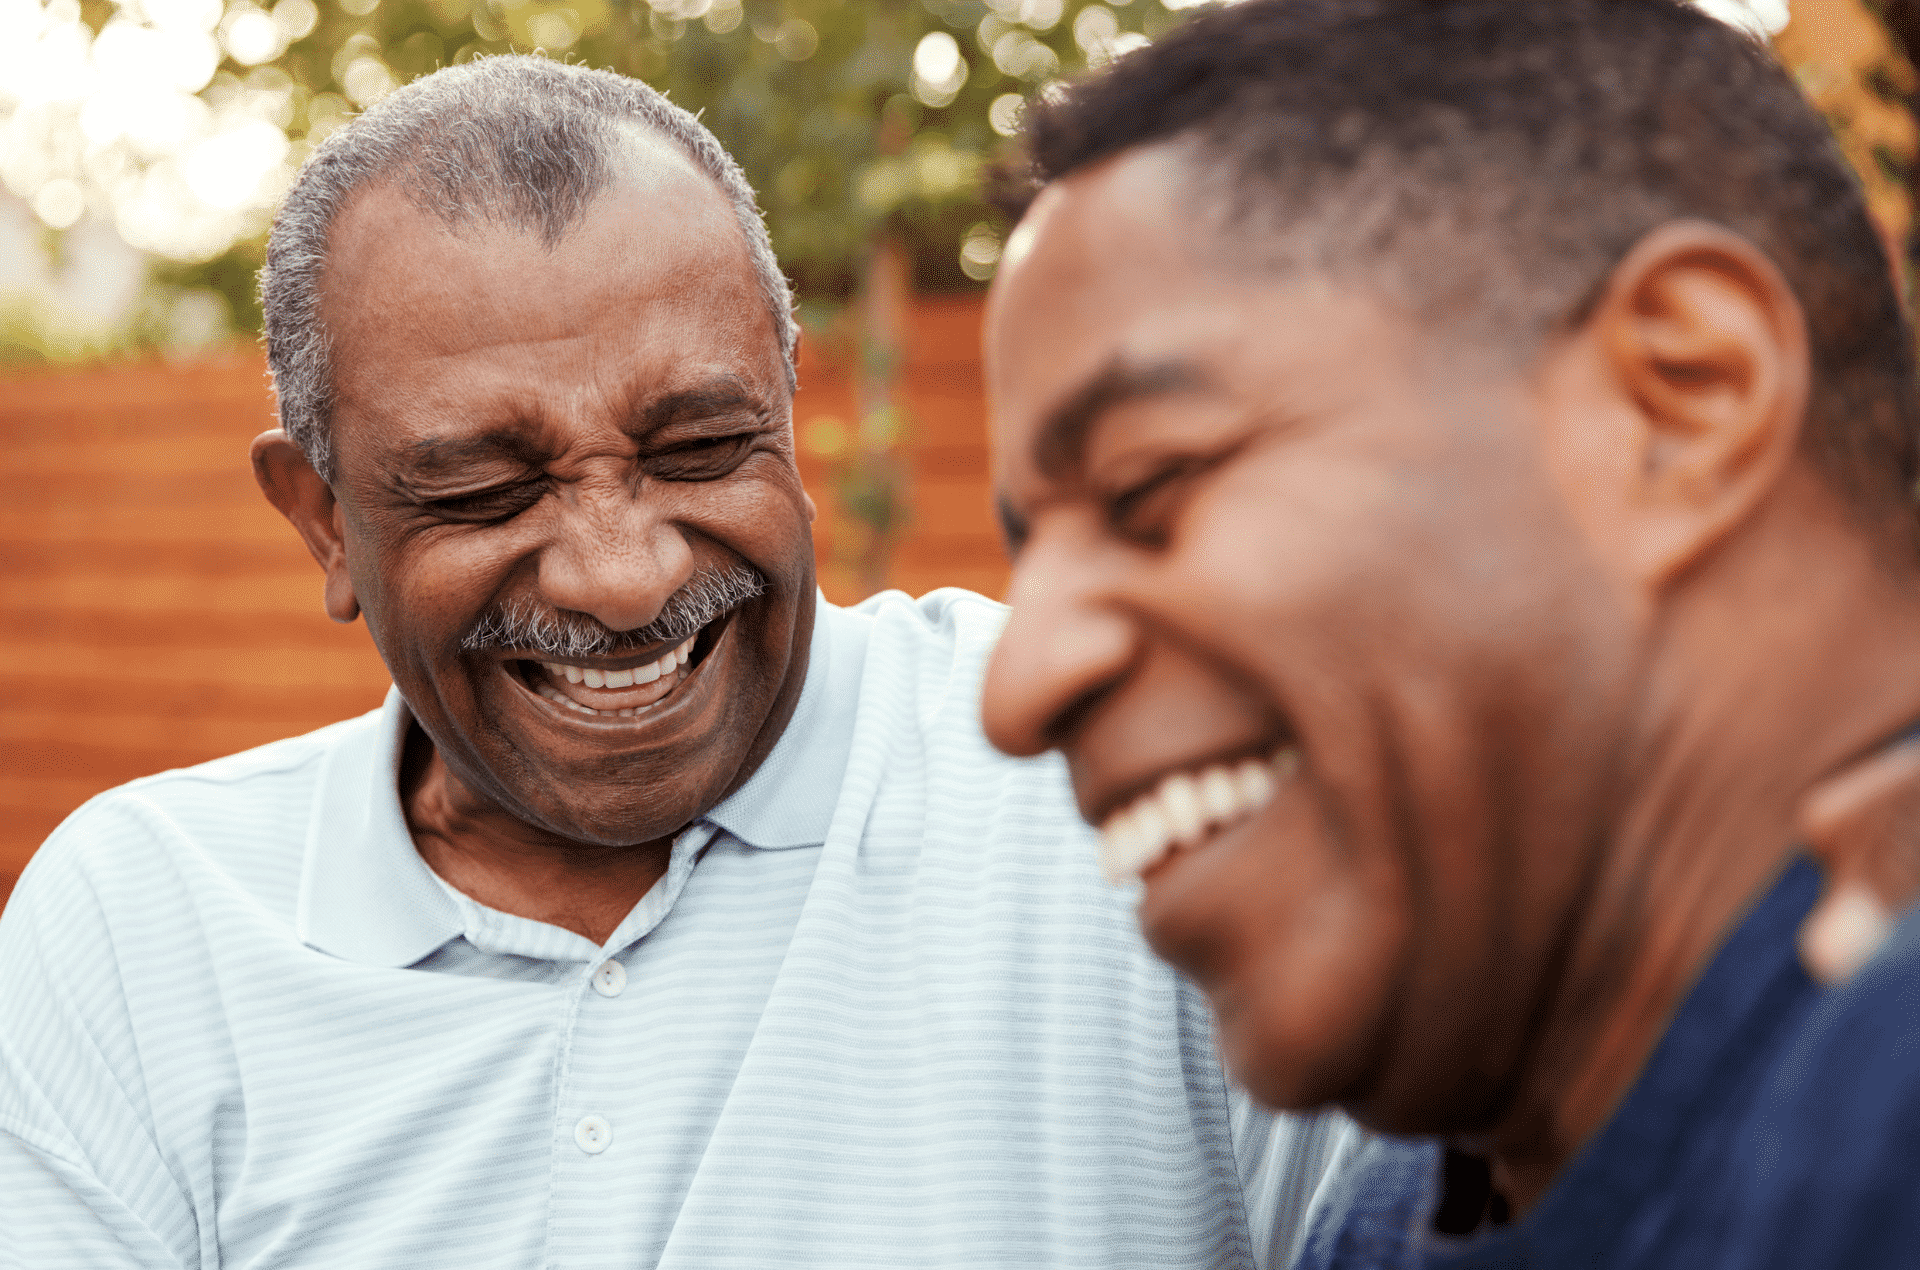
<point x="1125" y="848"/>
<point x="1180" y="801"/>
<point x="668" y="662"/>
<point x="561" y="699"/>
<point x="1218" y="793"/>
<point x="1256" y="782"/>
<point x="1150" y="826"/>
<point x="1185" y="808"/>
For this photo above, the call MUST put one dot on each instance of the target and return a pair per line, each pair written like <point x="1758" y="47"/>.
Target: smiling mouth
<point x="1187" y="809"/>
<point x="618" y="688"/>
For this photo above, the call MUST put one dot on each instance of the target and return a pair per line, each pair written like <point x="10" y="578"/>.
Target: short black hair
<point x="1497" y="158"/>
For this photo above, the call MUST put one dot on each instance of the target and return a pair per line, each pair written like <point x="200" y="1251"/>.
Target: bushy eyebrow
<point x="448" y="456"/>
<point x="1060" y="446"/>
<point x="721" y="395"/>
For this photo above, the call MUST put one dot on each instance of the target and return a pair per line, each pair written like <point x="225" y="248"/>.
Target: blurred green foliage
<point x="817" y="99"/>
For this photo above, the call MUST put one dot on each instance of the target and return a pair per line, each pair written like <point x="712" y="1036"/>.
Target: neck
<point x="1784" y="660"/>
<point x="517" y="868"/>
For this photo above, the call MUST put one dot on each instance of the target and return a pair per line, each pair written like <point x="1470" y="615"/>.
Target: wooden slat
<point x="96" y="630"/>
<point x="35" y="704"/>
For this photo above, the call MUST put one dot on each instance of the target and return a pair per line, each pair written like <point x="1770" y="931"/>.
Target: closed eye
<point x="1144" y="513"/>
<point x="488" y="506"/>
<point x="704" y="459"/>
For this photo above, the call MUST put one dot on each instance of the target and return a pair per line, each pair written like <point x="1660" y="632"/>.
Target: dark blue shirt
<point x="1776" y="1126"/>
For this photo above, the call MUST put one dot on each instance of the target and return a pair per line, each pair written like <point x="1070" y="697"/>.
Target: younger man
<point x="1459" y="456"/>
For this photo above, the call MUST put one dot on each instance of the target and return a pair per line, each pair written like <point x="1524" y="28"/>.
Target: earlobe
<point x="308" y="503"/>
<point x="1864" y="827"/>
<point x="1709" y="345"/>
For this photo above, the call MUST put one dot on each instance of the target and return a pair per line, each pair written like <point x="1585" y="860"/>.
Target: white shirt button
<point x="593" y="1135"/>
<point x="610" y="978"/>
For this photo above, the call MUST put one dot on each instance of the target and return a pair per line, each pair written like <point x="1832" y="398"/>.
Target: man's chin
<point x="1298" y="1055"/>
<point x="611" y="779"/>
<point x="612" y="787"/>
<point x="615" y="830"/>
<point x="1283" y="1077"/>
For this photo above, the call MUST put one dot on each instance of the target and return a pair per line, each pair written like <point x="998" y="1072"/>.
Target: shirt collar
<point x="790" y="798"/>
<point x="365" y="893"/>
<point x="367" y="896"/>
<point x="1704" y="1069"/>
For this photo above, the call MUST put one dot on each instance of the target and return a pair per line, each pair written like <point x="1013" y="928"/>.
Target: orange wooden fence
<point x="155" y="611"/>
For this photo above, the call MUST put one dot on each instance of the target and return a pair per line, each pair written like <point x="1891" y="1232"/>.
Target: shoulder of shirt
<point x="924" y="660"/>
<point x="937" y="644"/>
<point x="960" y="619"/>
<point x="257" y="788"/>
<point x="1829" y="1154"/>
<point x="920" y="670"/>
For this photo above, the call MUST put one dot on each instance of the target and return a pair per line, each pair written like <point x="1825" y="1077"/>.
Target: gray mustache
<point x="561" y="635"/>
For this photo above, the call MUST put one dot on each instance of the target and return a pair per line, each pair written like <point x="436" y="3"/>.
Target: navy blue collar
<point x="1706" y="1068"/>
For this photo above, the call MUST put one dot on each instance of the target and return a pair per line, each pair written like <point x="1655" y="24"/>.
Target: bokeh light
<point x="177" y="124"/>
<point x="1764" y="18"/>
<point x="129" y="121"/>
<point x="939" y="70"/>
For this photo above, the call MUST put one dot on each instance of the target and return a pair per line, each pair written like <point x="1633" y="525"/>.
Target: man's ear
<point x="1707" y="346"/>
<point x="291" y="484"/>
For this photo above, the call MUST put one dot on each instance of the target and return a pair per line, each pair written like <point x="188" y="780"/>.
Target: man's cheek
<point x="1299" y="940"/>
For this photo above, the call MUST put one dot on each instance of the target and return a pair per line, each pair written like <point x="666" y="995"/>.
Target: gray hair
<point x="519" y="139"/>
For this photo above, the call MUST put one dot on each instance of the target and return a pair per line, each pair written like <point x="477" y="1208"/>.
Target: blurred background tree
<point x="180" y="121"/>
<point x="1854" y="60"/>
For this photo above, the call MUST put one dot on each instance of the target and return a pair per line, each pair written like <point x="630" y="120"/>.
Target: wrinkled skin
<point x="580" y="429"/>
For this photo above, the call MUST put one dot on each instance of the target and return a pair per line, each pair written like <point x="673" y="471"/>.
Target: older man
<point x="666" y="915"/>
<point x="1459" y="457"/>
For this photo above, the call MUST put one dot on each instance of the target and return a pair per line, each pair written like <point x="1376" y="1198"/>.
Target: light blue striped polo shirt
<point x="880" y="1012"/>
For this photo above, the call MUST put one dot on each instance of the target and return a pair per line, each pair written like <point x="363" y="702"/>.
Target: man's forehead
<point x="388" y="257"/>
<point x="1135" y="197"/>
<point x="643" y="168"/>
<point x="1096" y="301"/>
<point x="650" y="297"/>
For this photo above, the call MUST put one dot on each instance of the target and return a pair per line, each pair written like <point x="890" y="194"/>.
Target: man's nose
<point x="614" y="557"/>
<point x="1062" y="647"/>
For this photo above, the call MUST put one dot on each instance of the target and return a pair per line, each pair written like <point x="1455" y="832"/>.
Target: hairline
<point x="299" y="345"/>
<point x="469" y="223"/>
